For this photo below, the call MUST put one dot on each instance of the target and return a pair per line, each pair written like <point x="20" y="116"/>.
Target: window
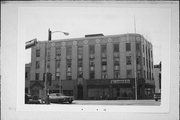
<point x="128" y="60"/>
<point x="104" y="75"/>
<point x="128" y="46"/>
<point x="116" y="47"/>
<point x="37" y="76"/>
<point x="104" y="68"/>
<point x="58" y="51"/>
<point x="103" y="51"/>
<point x="138" y="46"/>
<point x="68" y="52"/>
<point x="138" y="60"/>
<point x="129" y="73"/>
<point x="38" y="53"/>
<point x="116" y="74"/>
<point x="92" y="75"/>
<point x="37" y="65"/>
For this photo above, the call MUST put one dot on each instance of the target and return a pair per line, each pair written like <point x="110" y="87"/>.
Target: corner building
<point x="95" y="67"/>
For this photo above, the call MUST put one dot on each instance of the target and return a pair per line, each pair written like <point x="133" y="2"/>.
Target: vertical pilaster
<point x="63" y="62"/>
<point x="97" y="61"/>
<point x="85" y="60"/>
<point x="74" y="60"/>
<point x="110" y="70"/>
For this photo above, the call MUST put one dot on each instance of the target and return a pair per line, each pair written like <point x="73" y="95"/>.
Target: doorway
<point x="80" y="92"/>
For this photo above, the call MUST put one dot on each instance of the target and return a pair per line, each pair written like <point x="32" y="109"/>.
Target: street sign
<point x="31" y="43"/>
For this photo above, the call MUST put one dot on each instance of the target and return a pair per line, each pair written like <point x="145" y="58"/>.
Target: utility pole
<point x="135" y="71"/>
<point x="46" y="92"/>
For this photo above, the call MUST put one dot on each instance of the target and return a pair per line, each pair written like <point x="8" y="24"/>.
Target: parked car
<point x="35" y="100"/>
<point x="60" y="98"/>
<point x="157" y="96"/>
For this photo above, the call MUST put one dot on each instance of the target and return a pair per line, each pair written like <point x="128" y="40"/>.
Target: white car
<point x="60" y="98"/>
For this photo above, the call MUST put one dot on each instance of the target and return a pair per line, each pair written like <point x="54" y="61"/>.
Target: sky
<point x="152" y="23"/>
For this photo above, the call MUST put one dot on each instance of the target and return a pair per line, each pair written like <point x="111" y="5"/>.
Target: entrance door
<point x="80" y="92"/>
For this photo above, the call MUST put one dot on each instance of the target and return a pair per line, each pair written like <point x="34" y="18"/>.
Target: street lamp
<point x="49" y="39"/>
<point x="50" y="33"/>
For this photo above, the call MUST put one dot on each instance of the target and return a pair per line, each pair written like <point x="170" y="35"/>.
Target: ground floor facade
<point x="96" y="89"/>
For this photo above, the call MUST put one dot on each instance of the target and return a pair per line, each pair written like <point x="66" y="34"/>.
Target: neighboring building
<point x="157" y="78"/>
<point x="95" y="67"/>
<point x="27" y="78"/>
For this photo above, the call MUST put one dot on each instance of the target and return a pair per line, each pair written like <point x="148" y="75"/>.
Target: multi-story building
<point x="95" y="67"/>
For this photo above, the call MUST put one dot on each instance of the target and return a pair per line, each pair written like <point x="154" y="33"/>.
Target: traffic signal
<point x="49" y="35"/>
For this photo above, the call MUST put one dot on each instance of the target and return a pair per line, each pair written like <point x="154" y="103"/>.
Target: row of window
<point x="103" y="49"/>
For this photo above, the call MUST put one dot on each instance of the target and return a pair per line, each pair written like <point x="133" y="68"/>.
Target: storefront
<point x="110" y="89"/>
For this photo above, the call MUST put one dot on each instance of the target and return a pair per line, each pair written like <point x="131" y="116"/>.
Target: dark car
<point x="157" y="96"/>
<point x="60" y="98"/>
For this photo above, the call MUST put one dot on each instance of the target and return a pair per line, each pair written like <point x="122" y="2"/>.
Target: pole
<point x="135" y="72"/>
<point x="45" y="81"/>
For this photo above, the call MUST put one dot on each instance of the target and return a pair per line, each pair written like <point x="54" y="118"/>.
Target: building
<point x="95" y="67"/>
<point x="157" y="78"/>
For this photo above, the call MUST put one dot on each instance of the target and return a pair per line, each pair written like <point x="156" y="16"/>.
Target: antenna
<point x="134" y="24"/>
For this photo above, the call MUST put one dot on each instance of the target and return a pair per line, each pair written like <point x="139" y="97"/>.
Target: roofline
<point x="96" y="37"/>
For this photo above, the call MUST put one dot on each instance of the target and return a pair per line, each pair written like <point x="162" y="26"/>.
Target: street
<point x="114" y="102"/>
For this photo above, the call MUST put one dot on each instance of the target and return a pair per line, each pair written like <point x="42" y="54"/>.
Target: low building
<point x="95" y="67"/>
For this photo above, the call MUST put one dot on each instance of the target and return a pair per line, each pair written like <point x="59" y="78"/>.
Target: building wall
<point x="109" y="41"/>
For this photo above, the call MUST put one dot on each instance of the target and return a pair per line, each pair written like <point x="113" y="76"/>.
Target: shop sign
<point x="120" y="81"/>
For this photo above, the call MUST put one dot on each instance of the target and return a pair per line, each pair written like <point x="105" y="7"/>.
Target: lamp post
<point x="45" y="83"/>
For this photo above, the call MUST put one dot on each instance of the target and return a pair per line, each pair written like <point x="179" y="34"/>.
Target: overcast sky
<point x="152" y="23"/>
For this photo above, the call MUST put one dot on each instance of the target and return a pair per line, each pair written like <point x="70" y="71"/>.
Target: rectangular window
<point x="116" y="74"/>
<point x="37" y="76"/>
<point x="37" y="65"/>
<point x="128" y="46"/>
<point x="138" y="60"/>
<point x="38" y="53"/>
<point x="91" y="49"/>
<point x="103" y="51"/>
<point x="116" y="47"/>
<point x="58" y="51"/>
<point x="92" y="74"/>
<point x="129" y="73"/>
<point x="69" y="51"/>
<point x="138" y="46"/>
<point x="128" y="60"/>
<point x="104" y="75"/>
